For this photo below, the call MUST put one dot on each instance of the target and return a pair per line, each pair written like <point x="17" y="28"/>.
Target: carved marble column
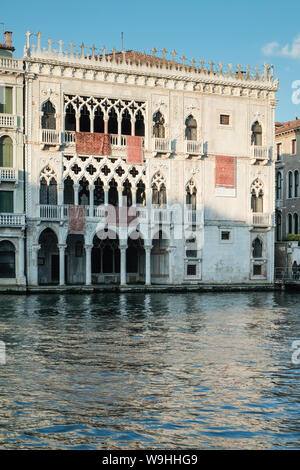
<point x="21" y="274"/>
<point x="88" y="264"/>
<point x="34" y="267"/>
<point x="62" y="264"/>
<point x="148" y="264"/>
<point x="123" y="249"/>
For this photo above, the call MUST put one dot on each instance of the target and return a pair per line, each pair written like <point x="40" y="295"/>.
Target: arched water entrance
<point x="75" y="261"/>
<point x="135" y="261"/>
<point x="48" y="258"/>
<point x="106" y="258"/>
<point x="160" y="258"/>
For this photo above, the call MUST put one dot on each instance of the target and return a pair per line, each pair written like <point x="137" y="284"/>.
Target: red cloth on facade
<point x="225" y="171"/>
<point x="88" y="143"/>
<point x="77" y="219"/>
<point x="134" y="149"/>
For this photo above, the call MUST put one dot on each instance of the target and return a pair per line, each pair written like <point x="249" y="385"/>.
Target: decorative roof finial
<point x="82" y="46"/>
<point x="39" y="41"/>
<point x="28" y="34"/>
<point x="154" y="51"/>
<point x="93" y="48"/>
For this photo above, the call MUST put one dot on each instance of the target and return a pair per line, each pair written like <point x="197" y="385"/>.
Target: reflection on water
<point x="205" y="371"/>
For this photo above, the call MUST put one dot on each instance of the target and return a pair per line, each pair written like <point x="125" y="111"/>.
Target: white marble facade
<point x="189" y="118"/>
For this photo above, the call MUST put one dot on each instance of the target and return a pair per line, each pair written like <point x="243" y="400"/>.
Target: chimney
<point x="8" y="39"/>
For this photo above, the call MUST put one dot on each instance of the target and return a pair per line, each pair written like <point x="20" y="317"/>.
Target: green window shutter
<point x="6" y="201"/>
<point x="5" y="100"/>
<point x="8" y="100"/>
<point x="6" y="152"/>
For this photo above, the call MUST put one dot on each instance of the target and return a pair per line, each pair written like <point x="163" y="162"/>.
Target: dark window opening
<point x="70" y="119"/>
<point x="84" y="193"/>
<point x="113" y="193"/>
<point x="48" y="117"/>
<point x="139" y="124"/>
<point x="225" y="235"/>
<point x="7" y="260"/>
<point x="224" y="119"/>
<point x="112" y="122"/>
<point x="84" y="121"/>
<point x="158" y="127"/>
<point x="256" y="137"/>
<point x="126" y="123"/>
<point x="98" y="120"/>
<point x="68" y="191"/>
<point x="191" y="269"/>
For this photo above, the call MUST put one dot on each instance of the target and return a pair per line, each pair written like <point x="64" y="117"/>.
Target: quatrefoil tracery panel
<point x="257" y="187"/>
<point x="47" y="174"/>
<point x="158" y="180"/>
<point x="105" y="170"/>
<point x="105" y="105"/>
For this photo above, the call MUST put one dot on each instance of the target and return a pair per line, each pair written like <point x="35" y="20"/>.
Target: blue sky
<point x="237" y="31"/>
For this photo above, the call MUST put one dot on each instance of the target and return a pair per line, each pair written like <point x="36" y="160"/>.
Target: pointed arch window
<point x="98" y="193"/>
<point x="48" y="116"/>
<point x="6" y="152"/>
<point x="191" y="128"/>
<point x="257" y="246"/>
<point x="139" y="126"/>
<point x="113" y="196"/>
<point x="84" y="121"/>
<point x="127" y="193"/>
<point x="126" y="123"/>
<point x="48" y="187"/>
<point x="256" y="137"/>
<point x="159" y="125"/>
<point x="141" y="193"/>
<point x="257" y="196"/>
<point x="191" y="194"/>
<point x="290" y="223"/>
<point x="290" y="184"/>
<point x="84" y="193"/>
<point x="296" y="183"/>
<point x="112" y="121"/>
<point x="98" y="120"/>
<point x="278" y="226"/>
<point x="278" y="185"/>
<point x="296" y="223"/>
<point x="159" y="191"/>
<point x="70" y="118"/>
<point x="68" y="191"/>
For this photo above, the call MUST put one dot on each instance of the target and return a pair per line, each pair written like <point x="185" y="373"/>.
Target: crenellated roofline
<point x="143" y="64"/>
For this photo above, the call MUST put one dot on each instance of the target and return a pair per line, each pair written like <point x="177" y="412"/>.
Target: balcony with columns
<point x="193" y="148"/>
<point x="8" y="175"/>
<point x="8" y="121"/>
<point x="261" y="219"/>
<point x="12" y="220"/>
<point x="260" y="153"/>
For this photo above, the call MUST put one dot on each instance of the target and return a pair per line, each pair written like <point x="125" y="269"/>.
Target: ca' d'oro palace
<point x="121" y="168"/>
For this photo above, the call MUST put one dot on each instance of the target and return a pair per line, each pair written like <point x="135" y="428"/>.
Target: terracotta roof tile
<point x="286" y="126"/>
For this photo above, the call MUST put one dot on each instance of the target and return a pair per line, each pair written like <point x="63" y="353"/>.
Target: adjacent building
<point x="12" y="214"/>
<point x="144" y="169"/>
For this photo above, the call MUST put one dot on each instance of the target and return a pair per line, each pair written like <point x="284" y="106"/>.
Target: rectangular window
<point x="224" y="119"/>
<point x="191" y="253"/>
<point x="278" y="151"/>
<point x="225" y="235"/>
<point x="191" y="270"/>
<point x="5" y="100"/>
<point x="257" y="269"/>
<point x="6" y="201"/>
<point x="293" y="146"/>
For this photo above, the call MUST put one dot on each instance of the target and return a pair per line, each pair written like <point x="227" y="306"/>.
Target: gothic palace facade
<point x="134" y="168"/>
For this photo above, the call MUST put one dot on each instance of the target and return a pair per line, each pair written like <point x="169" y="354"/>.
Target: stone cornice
<point x="194" y="77"/>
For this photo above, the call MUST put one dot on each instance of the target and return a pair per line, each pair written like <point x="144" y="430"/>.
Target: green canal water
<point x="142" y="371"/>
